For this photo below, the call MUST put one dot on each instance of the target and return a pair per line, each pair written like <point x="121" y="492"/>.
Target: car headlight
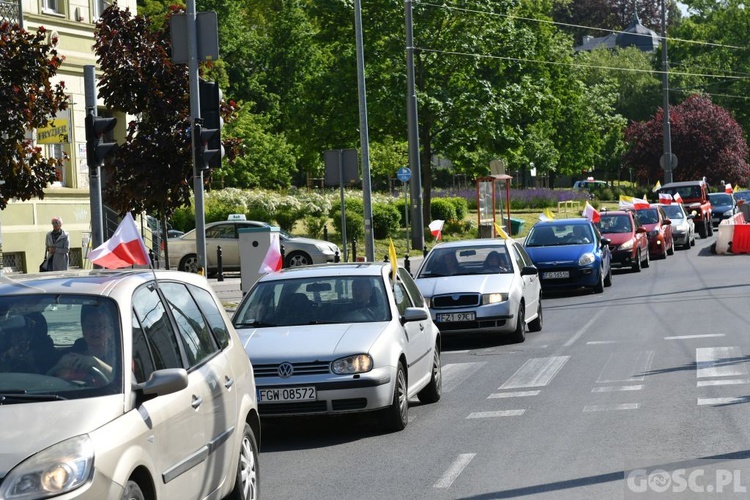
<point x="628" y="245"/>
<point x="359" y="363"/>
<point x="493" y="298"/>
<point x="57" y="470"/>
<point x="586" y="259"/>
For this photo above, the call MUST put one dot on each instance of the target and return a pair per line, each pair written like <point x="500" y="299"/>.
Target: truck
<point x="694" y="196"/>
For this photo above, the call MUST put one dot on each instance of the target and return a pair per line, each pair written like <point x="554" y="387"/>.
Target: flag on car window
<point x="665" y="198"/>
<point x="632" y="202"/>
<point x="677" y="198"/>
<point x="393" y="258"/>
<point x="500" y="233"/>
<point x="657" y="186"/>
<point x="125" y="247"/>
<point x="728" y="188"/>
<point x="436" y="228"/>
<point x="272" y="262"/>
<point x="591" y="213"/>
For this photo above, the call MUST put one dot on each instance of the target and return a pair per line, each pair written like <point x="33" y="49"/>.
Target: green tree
<point x="28" y="63"/>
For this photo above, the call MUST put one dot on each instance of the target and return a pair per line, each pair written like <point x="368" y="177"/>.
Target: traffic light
<point x="204" y="137"/>
<point x="210" y="98"/>
<point x="96" y="149"/>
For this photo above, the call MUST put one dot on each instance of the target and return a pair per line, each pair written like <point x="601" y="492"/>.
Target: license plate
<point x="556" y="275"/>
<point x="454" y="317"/>
<point x="286" y="394"/>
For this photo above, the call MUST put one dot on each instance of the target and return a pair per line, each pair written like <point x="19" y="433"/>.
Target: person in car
<point x="495" y="262"/>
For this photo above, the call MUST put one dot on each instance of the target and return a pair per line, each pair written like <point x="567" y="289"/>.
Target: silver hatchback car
<point x="123" y="384"/>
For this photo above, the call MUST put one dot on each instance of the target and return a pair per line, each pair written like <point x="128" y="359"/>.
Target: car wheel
<point x="432" y="391"/>
<point x="298" y="258"/>
<point x="535" y="325"/>
<point x="636" y="266"/>
<point x="608" y="277"/>
<point x="702" y="231"/>
<point x="132" y="491"/>
<point x="396" y="416"/>
<point x="519" y="334"/>
<point x="247" y="482"/>
<point x="599" y="287"/>
<point x="189" y="263"/>
<point x="647" y="260"/>
<point x="670" y="250"/>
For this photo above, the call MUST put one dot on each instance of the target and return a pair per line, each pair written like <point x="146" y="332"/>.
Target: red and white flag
<point x="591" y="213"/>
<point x="677" y="198"/>
<point x="728" y="188"/>
<point x="436" y="228"/>
<point x="632" y="202"/>
<point x="665" y="198"/>
<point x="272" y="262"/>
<point x="124" y="249"/>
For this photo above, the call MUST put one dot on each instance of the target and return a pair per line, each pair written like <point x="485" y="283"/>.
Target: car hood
<point x="651" y="227"/>
<point x="566" y="253"/>
<point x="617" y="239"/>
<point x="31" y="427"/>
<point x="478" y="283"/>
<point x="721" y="208"/>
<point x="306" y="342"/>
<point x="301" y="240"/>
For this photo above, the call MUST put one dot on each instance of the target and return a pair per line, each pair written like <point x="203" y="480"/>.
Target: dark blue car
<point x="570" y="254"/>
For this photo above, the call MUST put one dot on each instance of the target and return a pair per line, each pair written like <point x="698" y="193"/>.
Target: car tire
<point x="247" y="481"/>
<point x="636" y="266"/>
<point x="132" y="491"/>
<point x="599" y="287"/>
<point x="536" y="324"/>
<point x="396" y="416"/>
<point x="519" y="334"/>
<point x="189" y="263"/>
<point x="692" y="241"/>
<point x="702" y="231"/>
<point x="298" y="258"/>
<point x="608" y="277"/>
<point x="434" y="389"/>
<point x="647" y="260"/>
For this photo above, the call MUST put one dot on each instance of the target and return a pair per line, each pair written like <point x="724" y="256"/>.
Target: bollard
<point x="325" y="233"/>
<point x="425" y="251"/>
<point x="407" y="264"/>
<point x="153" y="259"/>
<point x="283" y="259"/>
<point x="386" y="258"/>
<point x="354" y="250"/>
<point x="220" y="273"/>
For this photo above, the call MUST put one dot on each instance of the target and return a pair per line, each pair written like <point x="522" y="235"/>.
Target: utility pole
<point x="413" y="134"/>
<point x="667" y="162"/>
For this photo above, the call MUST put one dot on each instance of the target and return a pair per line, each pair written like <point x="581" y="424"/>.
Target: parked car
<point x="659" y="230"/>
<point x="468" y="294"/>
<point x="723" y="206"/>
<point x="570" y="254"/>
<point x="116" y="385"/>
<point x="628" y="240"/>
<point x="683" y="228"/>
<point x="340" y="338"/>
<point x="298" y="251"/>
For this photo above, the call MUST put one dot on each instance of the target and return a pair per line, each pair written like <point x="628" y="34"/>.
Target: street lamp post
<point x="668" y="166"/>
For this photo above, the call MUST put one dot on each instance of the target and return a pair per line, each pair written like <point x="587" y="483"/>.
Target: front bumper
<point x="578" y="277"/>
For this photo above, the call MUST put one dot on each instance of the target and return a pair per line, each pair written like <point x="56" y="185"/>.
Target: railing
<point x="11" y="12"/>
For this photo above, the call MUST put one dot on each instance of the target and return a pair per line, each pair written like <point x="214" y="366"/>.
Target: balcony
<point x="11" y="12"/>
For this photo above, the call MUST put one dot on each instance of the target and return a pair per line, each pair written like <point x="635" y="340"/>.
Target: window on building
<point x="98" y="7"/>
<point x="53" y="6"/>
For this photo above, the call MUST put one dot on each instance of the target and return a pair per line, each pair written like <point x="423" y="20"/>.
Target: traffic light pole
<point x="95" y="182"/>
<point x="195" y="114"/>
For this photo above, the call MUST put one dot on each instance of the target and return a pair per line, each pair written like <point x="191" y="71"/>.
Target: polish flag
<point x="591" y="213"/>
<point x="728" y="188"/>
<point x="665" y="198"/>
<point x="124" y="249"/>
<point x="677" y="198"/>
<point x="272" y="262"/>
<point x="436" y="228"/>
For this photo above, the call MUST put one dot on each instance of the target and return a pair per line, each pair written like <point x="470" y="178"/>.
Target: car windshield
<point x="616" y="224"/>
<point x="720" y="199"/>
<point x="314" y="300"/>
<point x="460" y="261"/>
<point x="58" y="347"/>
<point x="742" y="195"/>
<point x="559" y="234"/>
<point x="648" y="216"/>
<point x="674" y="211"/>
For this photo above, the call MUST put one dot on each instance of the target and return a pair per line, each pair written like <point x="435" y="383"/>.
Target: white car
<point x="298" y="251"/>
<point x="683" y="227"/>
<point x="468" y="294"/>
<point x="340" y="338"/>
<point x="123" y="384"/>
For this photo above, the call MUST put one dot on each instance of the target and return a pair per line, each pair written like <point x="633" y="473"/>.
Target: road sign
<point x="665" y="164"/>
<point x="404" y="174"/>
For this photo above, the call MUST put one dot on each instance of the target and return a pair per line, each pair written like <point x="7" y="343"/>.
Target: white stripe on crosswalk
<point x="454" y="470"/>
<point x="535" y="372"/>
<point x="493" y="414"/>
<point x="624" y="406"/>
<point x="728" y="381"/>
<point x="626" y="367"/>
<point x="455" y="373"/>
<point x="720" y="401"/>
<point x="517" y="394"/>
<point x="701" y="336"/>
<point x="719" y="362"/>
<point x="618" y="388"/>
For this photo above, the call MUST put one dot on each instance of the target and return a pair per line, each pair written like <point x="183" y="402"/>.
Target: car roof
<point x="681" y="183"/>
<point x="497" y="242"/>
<point x="329" y="270"/>
<point x="617" y="212"/>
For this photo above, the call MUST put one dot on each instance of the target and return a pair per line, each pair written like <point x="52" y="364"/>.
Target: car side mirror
<point x="641" y="230"/>
<point x="529" y="271"/>
<point x="414" y="314"/>
<point x="606" y="241"/>
<point x="162" y="382"/>
<point x="667" y="222"/>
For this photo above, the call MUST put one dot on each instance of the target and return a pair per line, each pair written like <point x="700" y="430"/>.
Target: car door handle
<point x="197" y="401"/>
<point x="228" y="382"/>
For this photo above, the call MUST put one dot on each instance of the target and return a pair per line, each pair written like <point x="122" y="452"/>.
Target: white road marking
<point x="517" y="394"/>
<point x="455" y="373"/>
<point x="729" y="381"/>
<point x="702" y="336"/>
<point x="535" y="372"/>
<point x="624" y="406"/>
<point x="583" y="330"/>
<point x="466" y="351"/>
<point x="454" y="470"/>
<point x="618" y="388"/>
<point x="624" y="368"/>
<point x="720" y="401"/>
<point x="720" y="362"/>
<point x="599" y="342"/>
<point x="494" y="414"/>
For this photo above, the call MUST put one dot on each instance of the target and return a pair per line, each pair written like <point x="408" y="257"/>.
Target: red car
<point x="659" y="227"/>
<point x="628" y="239"/>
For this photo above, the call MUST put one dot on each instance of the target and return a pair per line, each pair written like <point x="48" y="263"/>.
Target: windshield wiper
<point x="259" y="324"/>
<point x="24" y="397"/>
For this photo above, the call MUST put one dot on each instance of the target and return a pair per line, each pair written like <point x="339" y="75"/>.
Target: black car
<point x="723" y="206"/>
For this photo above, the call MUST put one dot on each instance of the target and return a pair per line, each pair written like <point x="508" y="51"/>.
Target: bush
<point x="355" y="220"/>
<point x="461" y="206"/>
<point x="183" y="219"/>
<point x="385" y="220"/>
<point x="443" y="209"/>
<point x="315" y="225"/>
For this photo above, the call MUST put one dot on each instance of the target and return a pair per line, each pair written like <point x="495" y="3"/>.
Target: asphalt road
<point x="652" y="374"/>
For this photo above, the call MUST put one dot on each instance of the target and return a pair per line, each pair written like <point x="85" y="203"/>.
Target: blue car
<point x="570" y="254"/>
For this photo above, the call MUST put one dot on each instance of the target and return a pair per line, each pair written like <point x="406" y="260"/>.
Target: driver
<point x="91" y="358"/>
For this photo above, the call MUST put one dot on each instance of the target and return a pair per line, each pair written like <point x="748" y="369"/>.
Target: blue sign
<point x="404" y="174"/>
